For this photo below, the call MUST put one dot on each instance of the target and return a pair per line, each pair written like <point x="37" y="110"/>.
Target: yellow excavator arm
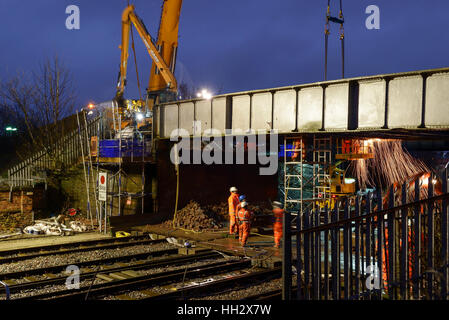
<point x="167" y="42"/>
<point x="169" y="81"/>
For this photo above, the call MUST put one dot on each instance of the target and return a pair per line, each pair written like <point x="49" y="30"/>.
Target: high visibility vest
<point x="244" y="215"/>
<point x="297" y="145"/>
<point x="233" y="201"/>
<point x="278" y="215"/>
<point x="346" y="146"/>
<point x="237" y="209"/>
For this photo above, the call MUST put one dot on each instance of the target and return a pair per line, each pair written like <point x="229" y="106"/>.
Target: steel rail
<point x="136" y="283"/>
<point x="173" y="261"/>
<point x="214" y="286"/>
<point x="76" y="250"/>
<point x="72" y="244"/>
<point x="61" y="268"/>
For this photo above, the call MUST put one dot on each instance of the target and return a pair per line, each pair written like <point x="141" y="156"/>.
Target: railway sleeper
<point x="213" y="286"/>
<point x="86" y="243"/>
<point x="118" y="286"/>
<point x="125" y="268"/>
<point x="24" y="256"/>
<point x="62" y="268"/>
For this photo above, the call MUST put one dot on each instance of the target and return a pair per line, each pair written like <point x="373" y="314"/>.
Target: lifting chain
<point x="340" y="20"/>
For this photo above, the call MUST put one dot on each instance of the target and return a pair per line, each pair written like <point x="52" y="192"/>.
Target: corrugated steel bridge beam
<point x="411" y="103"/>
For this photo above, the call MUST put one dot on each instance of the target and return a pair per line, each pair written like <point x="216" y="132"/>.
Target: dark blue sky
<point x="231" y="45"/>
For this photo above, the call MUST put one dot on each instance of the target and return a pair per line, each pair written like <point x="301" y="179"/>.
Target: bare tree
<point x="186" y="92"/>
<point x="40" y="104"/>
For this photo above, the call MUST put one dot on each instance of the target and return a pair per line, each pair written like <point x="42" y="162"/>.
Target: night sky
<point x="226" y="46"/>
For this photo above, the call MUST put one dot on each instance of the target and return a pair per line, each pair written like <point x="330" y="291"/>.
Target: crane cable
<point x="135" y="59"/>
<point x="341" y="21"/>
<point x="326" y="39"/>
<point x="135" y="63"/>
<point x="342" y="39"/>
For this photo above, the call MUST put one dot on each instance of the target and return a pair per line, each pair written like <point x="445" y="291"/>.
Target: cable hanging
<point x="135" y="63"/>
<point x="338" y="20"/>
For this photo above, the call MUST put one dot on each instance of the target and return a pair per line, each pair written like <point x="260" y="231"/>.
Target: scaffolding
<point x="119" y="140"/>
<point x="322" y="160"/>
<point x="307" y="184"/>
<point x="293" y="173"/>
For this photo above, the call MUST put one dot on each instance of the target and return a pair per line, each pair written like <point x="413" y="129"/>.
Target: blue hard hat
<point x="242" y="197"/>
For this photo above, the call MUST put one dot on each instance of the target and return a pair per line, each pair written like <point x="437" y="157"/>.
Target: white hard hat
<point x="233" y="189"/>
<point x="277" y="204"/>
<point x="244" y="204"/>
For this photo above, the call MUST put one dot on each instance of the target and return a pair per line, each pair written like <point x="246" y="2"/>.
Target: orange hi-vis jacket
<point x="233" y="201"/>
<point x="238" y="207"/>
<point x="244" y="216"/>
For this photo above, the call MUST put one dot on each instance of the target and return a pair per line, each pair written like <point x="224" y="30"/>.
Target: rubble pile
<point x="10" y="221"/>
<point x="193" y="217"/>
<point x="260" y="209"/>
<point x="219" y="212"/>
<point x="198" y="218"/>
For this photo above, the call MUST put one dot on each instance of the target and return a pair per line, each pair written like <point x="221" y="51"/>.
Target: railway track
<point x="91" y="263"/>
<point x="233" y="282"/>
<point x="14" y="255"/>
<point x="134" y="281"/>
<point x="139" y="276"/>
<point x="269" y="295"/>
<point x="116" y="271"/>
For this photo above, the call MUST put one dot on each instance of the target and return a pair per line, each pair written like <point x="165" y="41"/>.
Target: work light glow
<point x="139" y="116"/>
<point x="204" y="94"/>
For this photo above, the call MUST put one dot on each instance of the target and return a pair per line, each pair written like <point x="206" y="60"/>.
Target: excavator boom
<point x="167" y="42"/>
<point x="128" y="17"/>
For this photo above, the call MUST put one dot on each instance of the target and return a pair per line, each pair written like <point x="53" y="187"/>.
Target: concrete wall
<point x="73" y="186"/>
<point x="208" y="184"/>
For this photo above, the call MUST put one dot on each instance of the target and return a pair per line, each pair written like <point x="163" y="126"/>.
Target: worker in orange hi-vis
<point x="297" y="146"/>
<point x="346" y="146"/>
<point x="244" y="217"/>
<point x="233" y="201"/>
<point x="242" y="199"/>
<point x="277" y="227"/>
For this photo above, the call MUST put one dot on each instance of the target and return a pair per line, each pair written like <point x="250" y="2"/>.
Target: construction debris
<point x="78" y="226"/>
<point x="55" y="227"/>
<point x="193" y="217"/>
<point x="199" y="218"/>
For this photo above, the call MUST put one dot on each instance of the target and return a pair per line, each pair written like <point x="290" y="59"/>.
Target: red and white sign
<point x="102" y="186"/>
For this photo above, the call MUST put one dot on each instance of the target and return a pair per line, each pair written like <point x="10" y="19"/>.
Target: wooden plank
<point x="30" y="279"/>
<point x="119" y="276"/>
<point x="104" y="277"/>
<point x="131" y="273"/>
<point x="10" y="282"/>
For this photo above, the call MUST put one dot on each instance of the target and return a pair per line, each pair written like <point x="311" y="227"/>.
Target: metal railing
<point x="66" y="151"/>
<point x="394" y="246"/>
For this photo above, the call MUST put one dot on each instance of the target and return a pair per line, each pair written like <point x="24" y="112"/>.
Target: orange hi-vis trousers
<point x="385" y="257"/>
<point x="244" y="229"/>
<point x="277" y="228"/>
<point x="233" y="227"/>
